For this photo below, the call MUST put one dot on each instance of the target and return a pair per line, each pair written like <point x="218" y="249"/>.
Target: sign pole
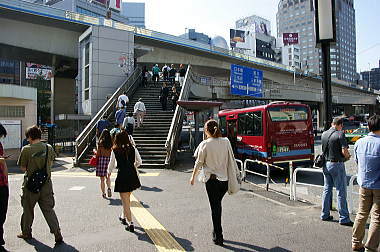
<point x="326" y="66"/>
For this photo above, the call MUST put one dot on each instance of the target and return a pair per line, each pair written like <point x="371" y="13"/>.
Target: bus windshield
<point x="288" y="113"/>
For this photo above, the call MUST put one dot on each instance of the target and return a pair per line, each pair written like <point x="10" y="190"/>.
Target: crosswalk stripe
<point x="161" y="238"/>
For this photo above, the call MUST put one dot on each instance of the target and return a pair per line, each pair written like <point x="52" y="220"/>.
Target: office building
<point x="196" y="36"/>
<point x="297" y="16"/>
<point x="252" y="36"/>
<point x="135" y="12"/>
<point x="371" y="79"/>
<point x="291" y="54"/>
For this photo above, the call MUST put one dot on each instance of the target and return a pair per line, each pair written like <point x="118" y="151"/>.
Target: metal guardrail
<point x="88" y="135"/>
<point x="267" y="176"/>
<point x="350" y="193"/>
<point x="241" y="167"/>
<point x="172" y="139"/>
<point x="293" y="183"/>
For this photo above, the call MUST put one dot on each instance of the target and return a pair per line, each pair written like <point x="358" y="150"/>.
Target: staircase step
<point x="153" y="165"/>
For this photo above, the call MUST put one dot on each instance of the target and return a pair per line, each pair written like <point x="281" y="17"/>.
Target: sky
<point x="216" y="17"/>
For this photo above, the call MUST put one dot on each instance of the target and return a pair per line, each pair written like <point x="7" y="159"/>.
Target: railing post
<point x="268" y="176"/>
<point x="351" y="191"/>
<point x="291" y="182"/>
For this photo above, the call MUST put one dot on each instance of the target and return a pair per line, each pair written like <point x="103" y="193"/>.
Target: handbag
<point x="38" y="178"/>
<point x="93" y="161"/>
<point x="320" y="160"/>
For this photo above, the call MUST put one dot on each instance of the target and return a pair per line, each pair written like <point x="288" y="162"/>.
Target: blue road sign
<point x="246" y="81"/>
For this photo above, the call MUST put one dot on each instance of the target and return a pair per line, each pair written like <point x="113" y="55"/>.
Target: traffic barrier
<point x="267" y="176"/>
<point x="350" y="193"/>
<point x="293" y="181"/>
<point x="241" y="168"/>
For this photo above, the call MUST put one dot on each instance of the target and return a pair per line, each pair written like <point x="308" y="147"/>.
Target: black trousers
<point x="164" y="102"/>
<point x="4" y="195"/>
<point x="216" y="190"/>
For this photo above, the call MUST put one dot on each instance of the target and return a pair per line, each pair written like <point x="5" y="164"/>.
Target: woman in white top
<point x="214" y="156"/>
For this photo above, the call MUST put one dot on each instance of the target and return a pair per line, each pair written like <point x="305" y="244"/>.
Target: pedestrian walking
<point x="172" y="74"/>
<point x="140" y="111"/>
<point x="125" y="158"/>
<point x="116" y="129"/>
<point x="156" y="73"/>
<point x="33" y="157"/>
<point x="367" y="156"/>
<point x="122" y="101"/>
<point x="103" y="154"/>
<point x="119" y="116"/>
<point x="175" y="97"/>
<point x="4" y="190"/>
<point x="101" y="125"/>
<point x="218" y="170"/>
<point x="129" y="123"/>
<point x="165" y="72"/>
<point x="334" y="173"/>
<point x="144" y="74"/>
<point x="182" y="73"/>
<point x="164" y="93"/>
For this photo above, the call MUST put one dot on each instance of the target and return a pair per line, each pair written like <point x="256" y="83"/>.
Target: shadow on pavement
<point x="151" y="189"/>
<point x="250" y="247"/>
<point x="114" y="202"/>
<point x="39" y="246"/>
<point x="117" y="202"/>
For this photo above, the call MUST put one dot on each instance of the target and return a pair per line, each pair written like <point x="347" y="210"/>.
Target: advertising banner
<point x="255" y="24"/>
<point x="115" y="4"/>
<point x="246" y="81"/>
<point x="236" y="36"/>
<point x="35" y="70"/>
<point x="290" y="38"/>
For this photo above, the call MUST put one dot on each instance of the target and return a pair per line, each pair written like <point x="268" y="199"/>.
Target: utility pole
<point x="369" y="75"/>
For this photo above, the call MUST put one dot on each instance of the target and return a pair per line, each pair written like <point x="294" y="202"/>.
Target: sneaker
<point x="25" y="236"/>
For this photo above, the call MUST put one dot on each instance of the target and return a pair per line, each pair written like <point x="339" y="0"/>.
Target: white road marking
<point x="76" y="188"/>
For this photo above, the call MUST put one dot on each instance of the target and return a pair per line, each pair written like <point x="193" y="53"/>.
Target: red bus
<point x="275" y="133"/>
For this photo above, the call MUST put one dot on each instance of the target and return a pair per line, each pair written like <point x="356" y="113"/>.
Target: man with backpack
<point x="34" y="157"/>
<point x="122" y="101"/>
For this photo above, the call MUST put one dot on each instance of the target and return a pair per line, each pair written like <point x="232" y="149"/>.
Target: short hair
<point x="33" y="132"/>
<point x="130" y="114"/>
<point x="374" y="123"/>
<point x="3" y="131"/>
<point x="125" y="92"/>
<point x="337" y="120"/>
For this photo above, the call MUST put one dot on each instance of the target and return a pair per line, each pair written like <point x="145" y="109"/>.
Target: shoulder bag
<point x="320" y="160"/>
<point x="38" y="178"/>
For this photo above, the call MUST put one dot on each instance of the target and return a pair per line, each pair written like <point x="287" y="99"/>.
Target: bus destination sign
<point x="246" y="81"/>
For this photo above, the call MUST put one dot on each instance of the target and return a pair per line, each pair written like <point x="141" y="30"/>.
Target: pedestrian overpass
<point x="93" y="58"/>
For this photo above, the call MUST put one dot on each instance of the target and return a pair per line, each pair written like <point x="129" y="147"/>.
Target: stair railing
<point x="172" y="140"/>
<point x="88" y="136"/>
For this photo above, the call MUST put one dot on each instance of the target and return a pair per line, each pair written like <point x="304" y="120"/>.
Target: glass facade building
<point x="298" y="16"/>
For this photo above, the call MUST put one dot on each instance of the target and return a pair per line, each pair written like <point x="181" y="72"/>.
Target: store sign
<point x="246" y="81"/>
<point x="33" y="71"/>
<point x="290" y="38"/>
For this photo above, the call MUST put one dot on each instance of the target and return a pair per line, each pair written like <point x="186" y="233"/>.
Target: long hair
<point x="105" y="139"/>
<point x="212" y="128"/>
<point x="122" y="143"/>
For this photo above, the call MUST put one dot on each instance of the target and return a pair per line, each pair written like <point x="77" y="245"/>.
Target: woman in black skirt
<point x="126" y="159"/>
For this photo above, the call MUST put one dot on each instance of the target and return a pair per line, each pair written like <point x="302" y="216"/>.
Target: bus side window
<point x="223" y="125"/>
<point x="241" y="124"/>
<point x="257" y="123"/>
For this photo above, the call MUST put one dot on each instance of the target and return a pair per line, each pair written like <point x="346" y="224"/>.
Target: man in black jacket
<point x="164" y="93"/>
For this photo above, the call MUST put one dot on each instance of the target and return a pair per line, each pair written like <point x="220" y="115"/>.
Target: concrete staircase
<point x="151" y="137"/>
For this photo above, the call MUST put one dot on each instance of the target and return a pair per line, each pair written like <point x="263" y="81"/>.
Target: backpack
<point x="38" y="178"/>
<point x="123" y="102"/>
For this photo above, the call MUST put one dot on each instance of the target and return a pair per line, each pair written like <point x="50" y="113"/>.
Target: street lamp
<point x="325" y="27"/>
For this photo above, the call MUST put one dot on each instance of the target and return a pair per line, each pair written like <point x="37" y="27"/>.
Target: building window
<point x="87" y="71"/>
<point x="12" y="111"/>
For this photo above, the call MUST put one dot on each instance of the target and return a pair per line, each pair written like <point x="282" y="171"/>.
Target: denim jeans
<point x="334" y="174"/>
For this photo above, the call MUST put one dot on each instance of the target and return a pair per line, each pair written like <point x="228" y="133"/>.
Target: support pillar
<point x="63" y="98"/>
<point x="321" y="115"/>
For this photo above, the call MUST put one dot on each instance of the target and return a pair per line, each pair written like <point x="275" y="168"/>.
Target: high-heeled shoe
<point x="123" y="221"/>
<point x="130" y="228"/>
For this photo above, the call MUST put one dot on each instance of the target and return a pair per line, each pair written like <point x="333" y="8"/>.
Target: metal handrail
<point x="351" y="192"/>
<point x="267" y="176"/>
<point x="176" y="124"/>
<point x="87" y="137"/>
<point x="241" y="167"/>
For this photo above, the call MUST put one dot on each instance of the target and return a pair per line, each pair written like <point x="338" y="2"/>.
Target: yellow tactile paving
<point x="163" y="240"/>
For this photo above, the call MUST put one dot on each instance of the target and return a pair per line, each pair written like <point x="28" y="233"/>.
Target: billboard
<point x="236" y="36"/>
<point x="115" y="4"/>
<point x="35" y="70"/>
<point x="290" y="38"/>
<point x="246" y="81"/>
<point x="255" y="24"/>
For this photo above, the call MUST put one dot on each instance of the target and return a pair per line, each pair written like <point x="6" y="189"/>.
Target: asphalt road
<point x="251" y="222"/>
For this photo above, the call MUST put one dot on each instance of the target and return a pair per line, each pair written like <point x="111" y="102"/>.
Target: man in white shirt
<point x="122" y="101"/>
<point x="139" y="111"/>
